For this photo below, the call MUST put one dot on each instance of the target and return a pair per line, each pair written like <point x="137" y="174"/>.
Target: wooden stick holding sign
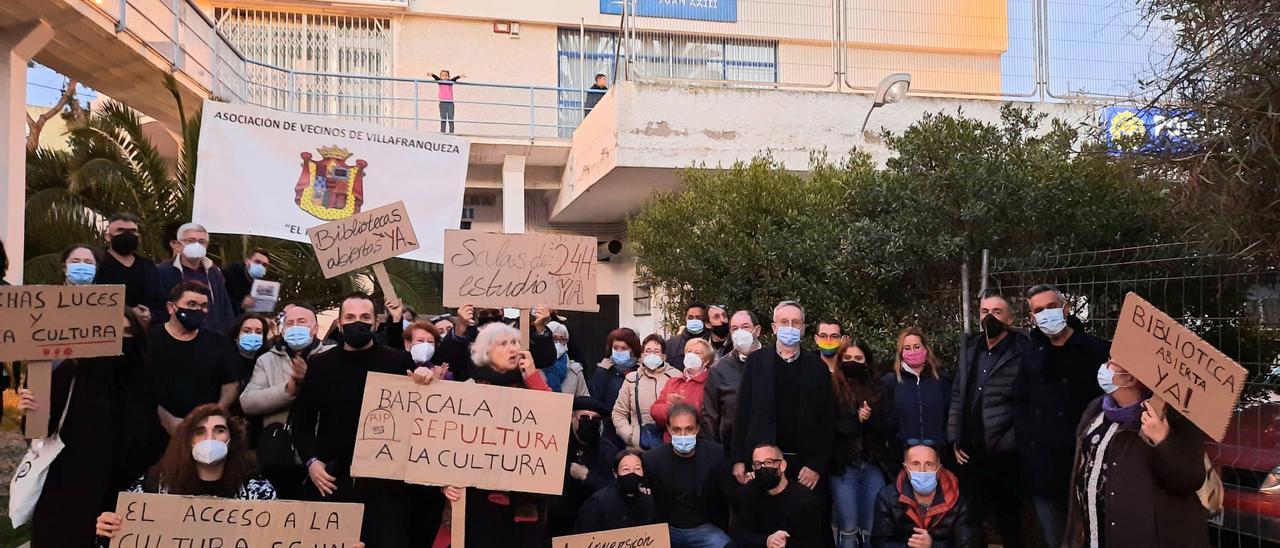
<point x="458" y="521"/>
<point x="41" y="323"/>
<point x="384" y="280"/>
<point x="1187" y="373"/>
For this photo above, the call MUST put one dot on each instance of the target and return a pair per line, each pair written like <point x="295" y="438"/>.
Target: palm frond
<point x="43" y="269"/>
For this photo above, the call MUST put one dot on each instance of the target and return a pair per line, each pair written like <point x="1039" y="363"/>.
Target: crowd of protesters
<point x="730" y="432"/>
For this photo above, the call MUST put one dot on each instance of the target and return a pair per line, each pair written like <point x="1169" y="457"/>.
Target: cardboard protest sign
<point x="149" y="520"/>
<point x="462" y="434"/>
<point x="1182" y="369"/>
<point x="362" y="239"/>
<point x="648" y="536"/>
<point x="488" y="269"/>
<point x="49" y="322"/>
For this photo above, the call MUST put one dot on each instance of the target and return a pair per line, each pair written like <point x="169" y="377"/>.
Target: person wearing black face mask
<point x="191" y="366"/>
<point x="624" y="502"/>
<point x="777" y="512"/>
<point x="718" y="324"/>
<point x="864" y="447"/>
<point x="588" y="468"/>
<point x="122" y="265"/>
<point x="326" y="416"/>
<point x="981" y="422"/>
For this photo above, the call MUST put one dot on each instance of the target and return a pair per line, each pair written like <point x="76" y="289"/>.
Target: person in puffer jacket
<point x="924" y="506"/>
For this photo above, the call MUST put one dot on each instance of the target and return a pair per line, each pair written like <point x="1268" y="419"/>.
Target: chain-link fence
<point x="1230" y="297"/>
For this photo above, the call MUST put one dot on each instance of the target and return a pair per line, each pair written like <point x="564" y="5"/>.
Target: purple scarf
<point x="1129" y="417"/>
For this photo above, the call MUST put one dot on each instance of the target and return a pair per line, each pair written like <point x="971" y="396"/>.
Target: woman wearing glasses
<point x="1138" y="466"/>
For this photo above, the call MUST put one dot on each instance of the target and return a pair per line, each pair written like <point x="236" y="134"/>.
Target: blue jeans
<point x="1052" y="513"/>
<point x="853" y="499"/>
<point x="702" y="536"/>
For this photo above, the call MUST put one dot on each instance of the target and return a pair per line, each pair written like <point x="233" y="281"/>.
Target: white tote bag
<point x="28" y="479"/>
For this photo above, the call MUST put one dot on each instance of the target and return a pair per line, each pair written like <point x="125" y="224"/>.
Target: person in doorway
<point x="190" y="247"/>
<point x="688" y="387"/>
<point x="122" y="265"/>
<point x="778" y="513"/>
<point x="191" y="365"/>
<point x="1055" y="384"/>
<point x="921" y="394"/>
<point x="632" y="418"/>
<point x="325" y="419"/>
<point x="786" y="399"/>
<point x="864" y="448"/>
<point x="828" y="338"/>
<point x="79" y="264"/>
<point x="687" y="478"/>
<point x="625" y="502"/>
<point x="240" y="277"/>
<point x="720" y="398"/>
<point x="444" y="88"/>
<point x="1138" y="465"/>
<point x="980" y="425"/>
<point x="611" y="373"/>
<point x="501" y="518"/>
<point x="595" y="93"/>
<point x="924" y="507"/>
<point x="273" y="387"/>
<point x="695" y="327"/>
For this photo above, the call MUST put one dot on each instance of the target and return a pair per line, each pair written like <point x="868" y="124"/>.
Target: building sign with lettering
<point x="725" y="11"/>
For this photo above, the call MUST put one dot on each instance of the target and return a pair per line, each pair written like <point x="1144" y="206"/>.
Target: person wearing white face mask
<point x="1055" y="384"/>
<point x="565" y="376"/>
<point x="631" y="412"/>
<point x="720" y="392"/>
<point x="217" y="444"/>
<point x="190" y="247"/>
<point x="270" y="393"/>
<point x="688" y="388"/>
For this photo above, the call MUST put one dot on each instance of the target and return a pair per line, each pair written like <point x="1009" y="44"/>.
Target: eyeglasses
<point x="927" y="442"/>
<point x="767" y="463"/>
<point x="189" y="241"/>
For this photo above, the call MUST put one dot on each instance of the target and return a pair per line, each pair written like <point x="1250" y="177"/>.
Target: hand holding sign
<point x="520" y="270"/>
<point x="1155" y="426"/>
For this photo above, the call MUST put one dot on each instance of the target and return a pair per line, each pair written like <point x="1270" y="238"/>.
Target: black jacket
<point x="1150" y="492"/>
<point x="610" y="509"/>
<point x="997" y="407"/>
<point x="921" y="405"/>
<point x="712" y="473"/>
<point x="720" y="398"/>
<point x="872" y="441"/>
<point x="795" y="510"/>
<point x="1054" y="386"/>
<point x="756" y="424"/>
<point x="599" y="462"/>
<point x="238" y="284"/>
<point x="949" y="522"/>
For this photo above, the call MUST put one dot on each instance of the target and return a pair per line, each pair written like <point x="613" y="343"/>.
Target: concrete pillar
<point x="513" y="194"/>
<point x="18" y="44"/>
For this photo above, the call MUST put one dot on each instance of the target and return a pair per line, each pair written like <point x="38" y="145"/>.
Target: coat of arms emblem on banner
<point x="329" y="188"/>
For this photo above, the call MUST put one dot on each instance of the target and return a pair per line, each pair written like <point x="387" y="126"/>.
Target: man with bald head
<point x="924" y="506"/>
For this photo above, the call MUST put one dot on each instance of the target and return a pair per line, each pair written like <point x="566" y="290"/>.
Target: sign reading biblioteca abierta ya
<point x="270" y="173"/>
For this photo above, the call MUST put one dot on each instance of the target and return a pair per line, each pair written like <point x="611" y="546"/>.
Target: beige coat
<point x="265" y="394"/>
<point x="625" y="420"/>
<point x="575" y="382"/>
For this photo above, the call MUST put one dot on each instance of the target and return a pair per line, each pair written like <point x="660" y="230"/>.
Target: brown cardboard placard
<point x="1177" y="365"/>
<point x="462" y="434"/>
<point x="173" y="520"/>
<point x="645" y="536"/>
<point x="40" y="383"/>
<point x="50" y="322"/>
<point x="363" y="239"/>
<point x="490" y="269"/>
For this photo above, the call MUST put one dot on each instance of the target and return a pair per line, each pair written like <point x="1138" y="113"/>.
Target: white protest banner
<point x="462" y="434"/>
<point x="1177" y="365"/>
<point x="490" y="269"/>
<point x="149" y="520"/>
<point x="645" y="536"/>
<point x="270" y="173"/>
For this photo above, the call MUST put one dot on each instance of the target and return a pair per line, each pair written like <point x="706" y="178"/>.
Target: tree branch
<point x="37" y="125"/>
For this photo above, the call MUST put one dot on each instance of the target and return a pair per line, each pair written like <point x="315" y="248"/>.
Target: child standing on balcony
<point x="444" y="84"/>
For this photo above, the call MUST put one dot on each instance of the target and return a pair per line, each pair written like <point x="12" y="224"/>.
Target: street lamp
<point x="891" y="90"/>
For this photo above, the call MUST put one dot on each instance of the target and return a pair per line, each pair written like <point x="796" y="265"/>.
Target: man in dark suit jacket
<point x="786" y="400"/>
<point x="687" y="478"/>
<point x="980" y="424"/>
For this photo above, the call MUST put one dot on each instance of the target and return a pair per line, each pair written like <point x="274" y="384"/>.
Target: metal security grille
<point x="315" y="49"/>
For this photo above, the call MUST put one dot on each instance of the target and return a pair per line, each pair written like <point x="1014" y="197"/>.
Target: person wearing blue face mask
<point x="632" y="416"/>
<point x="695" y="327"/>
<point x="786" y="399"/>
<point x="240" y="277"/>
<point x="689" y="483"/>
<point x="1054" y="386"/>
<point x="923" y="506"/>
<point x="250" y="333"/>
<point x="80" y="264"/>
<point x="272" y="389"/>
<point x="609" y="376"/>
